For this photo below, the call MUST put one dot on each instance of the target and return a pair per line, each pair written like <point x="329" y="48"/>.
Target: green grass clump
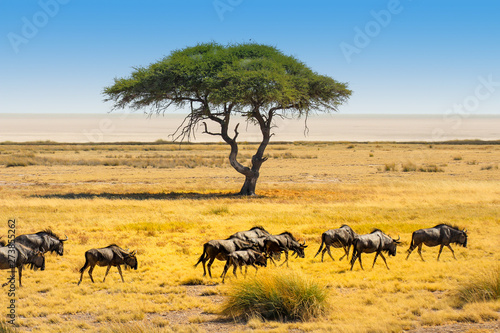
<point x="278" y="296"/>
<point x="485" y="287"/>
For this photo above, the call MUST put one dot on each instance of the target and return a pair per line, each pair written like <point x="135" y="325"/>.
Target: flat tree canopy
<point x="217" y="82"/>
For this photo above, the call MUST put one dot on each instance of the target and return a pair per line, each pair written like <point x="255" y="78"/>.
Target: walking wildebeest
<point x="442" y="234"/>
<point x="111" y="255"/>
<point x="377" y="242"/>
<point x="341" y="237"/>
<point x="255" y="232"/>
<point x="220" y="248"/>
<point x="43" y="241"/>
<point x="18" y="255"/>
<point x="245" y="258"/>
<point x="284" y="242"/>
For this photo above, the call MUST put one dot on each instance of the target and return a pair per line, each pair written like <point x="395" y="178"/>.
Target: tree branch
<point x="236" y="133"/>
<point x="207" y="132"/>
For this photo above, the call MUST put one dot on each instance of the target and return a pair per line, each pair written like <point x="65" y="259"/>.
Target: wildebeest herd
<point x="253" y="247"/>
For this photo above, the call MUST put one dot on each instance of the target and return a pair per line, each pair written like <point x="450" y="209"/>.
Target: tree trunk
<point x="251" y="174"/>
<point x="249" y="185"/>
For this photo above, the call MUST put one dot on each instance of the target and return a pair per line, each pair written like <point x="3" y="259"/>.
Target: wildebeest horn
<point x="63" y="240"/>
<point x="134" y="252"/>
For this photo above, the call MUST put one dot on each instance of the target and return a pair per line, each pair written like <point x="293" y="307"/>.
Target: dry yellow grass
<point x="168" y="212"/>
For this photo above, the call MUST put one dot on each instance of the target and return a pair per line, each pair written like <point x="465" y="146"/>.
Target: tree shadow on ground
<point x="140" y="196"/>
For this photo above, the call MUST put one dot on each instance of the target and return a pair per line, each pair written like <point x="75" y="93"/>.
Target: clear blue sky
<point x="399" y="57"/>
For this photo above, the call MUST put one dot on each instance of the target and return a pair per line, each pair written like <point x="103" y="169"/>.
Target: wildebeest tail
<point x="85" y="265"/>
<point x="354" y="250"/>
<point x="323" y="236"/>
<point x="203" y="255"/>
<point x="412" y="244"/>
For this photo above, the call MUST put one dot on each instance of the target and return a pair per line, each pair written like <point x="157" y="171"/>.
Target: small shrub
<point x="490" y="167"/>
<point x="390" y="167"/>
<point x="457" y="158"/>
<point x="193" y="282"/>
<point x="276" y="296"/>
<point x="485" y="287"/>
<point x="430" y="168"/>
<point x="409" y="167"/>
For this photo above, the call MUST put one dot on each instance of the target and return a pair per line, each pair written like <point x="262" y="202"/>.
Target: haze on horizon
<point x="399" y="57"/>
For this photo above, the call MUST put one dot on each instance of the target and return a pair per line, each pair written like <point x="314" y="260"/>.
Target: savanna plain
<point x="166" y="200"/>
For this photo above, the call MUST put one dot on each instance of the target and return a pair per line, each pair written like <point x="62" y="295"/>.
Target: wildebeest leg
<point x="353" y="260"/>
<point x="346" y="250"/>
<point x="107" y="271"/>
<point x="204" y="269"/>
<point x="440" y="249"/>
<point x="329" y="253"/>
<point x="420" y="251"/>
<point x="360" y="263"/>
<point x="120" y="271"/>
<point x="272" y="260"/>
<point x="409" y="251"/>
<point x="90" y="273"/>
<point x="224" y="272"/>
<point x="286" y="259"/>
<point x="81" y="277"/>
<point x="209" y="266"/>
<point x="20" y="270"/>
<point x="381" y="255"/>
<point x="322" y="254"/>
<point x="452" y="252"/>
<point x="235" y="268"/>
<point x="376" y="255"/>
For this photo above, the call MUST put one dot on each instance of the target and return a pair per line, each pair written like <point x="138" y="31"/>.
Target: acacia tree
<point x="219" y="82"/>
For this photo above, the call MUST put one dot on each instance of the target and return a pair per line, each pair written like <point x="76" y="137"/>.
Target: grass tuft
<point x="279" y="296"/>
<point x="6" y="328"/>
<point x="409" y="167"/>
<point x="485" y="287"/>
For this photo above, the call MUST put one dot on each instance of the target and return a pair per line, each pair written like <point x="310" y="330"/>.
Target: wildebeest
<point x="220" y="248"/>
<point x="111" y="255"/>
<point x="377" y="242"/>
<point x="255" y="232"/>
<point x="19" y="255"/>
<point x="43" y="241"/>
<point x="442" y="234"/>
<point x="341" y="237"/>
<point x="284" y="242"/>
<point x="245" y="258"/>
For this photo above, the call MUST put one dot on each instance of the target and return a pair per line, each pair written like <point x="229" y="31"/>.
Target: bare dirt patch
<point x="493" y="326"/>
